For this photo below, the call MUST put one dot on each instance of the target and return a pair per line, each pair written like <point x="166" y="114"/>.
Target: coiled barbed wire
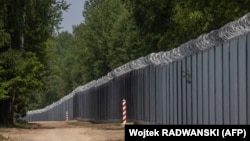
<point x="214" y="38"/>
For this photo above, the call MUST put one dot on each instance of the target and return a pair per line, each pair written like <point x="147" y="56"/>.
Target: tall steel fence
<point x="204" y="81"/>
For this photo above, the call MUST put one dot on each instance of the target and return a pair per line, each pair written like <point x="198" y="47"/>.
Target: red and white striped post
<point x="124" y="112"/>
<point x="67" y="116"/>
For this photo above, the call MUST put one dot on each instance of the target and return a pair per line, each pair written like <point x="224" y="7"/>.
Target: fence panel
<point x="204" y="81"/>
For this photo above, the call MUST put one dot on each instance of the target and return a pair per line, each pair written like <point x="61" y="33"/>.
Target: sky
<point x="73" y="16"/>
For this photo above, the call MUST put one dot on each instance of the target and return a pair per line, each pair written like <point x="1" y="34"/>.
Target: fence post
<point x="124" y="112"/>
<point x="67" y="116"/>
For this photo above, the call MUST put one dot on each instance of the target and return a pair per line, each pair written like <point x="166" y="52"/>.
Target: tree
<point x="19" y="77"/>
<point x="192" y="18"/>
<point x="100" y="17"/>
<point x="113" y="33"/>
<point x="153" y="18"/>
<point x="26" y="26"/>
<point x="125" y="42"/>
<point x="61" y="64"/>
<point x="165" y="24"/>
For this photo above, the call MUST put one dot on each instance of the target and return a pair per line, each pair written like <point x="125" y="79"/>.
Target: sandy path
<point x="66" y="131"/>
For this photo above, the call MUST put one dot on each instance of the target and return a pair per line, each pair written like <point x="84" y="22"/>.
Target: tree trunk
<point x="7" y="111"/>
<point x="4" y="111"/>
<point x="11" y="111"/>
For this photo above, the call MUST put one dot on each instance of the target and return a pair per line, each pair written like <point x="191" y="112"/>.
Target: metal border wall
<point x="204" y="81"/>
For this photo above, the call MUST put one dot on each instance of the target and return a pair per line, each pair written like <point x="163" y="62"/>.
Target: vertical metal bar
<point x="242" y="80"/>
<point x="171" y="94"/>
<point x="159" y="95"/>
<point x="226" y="84"/>
<point x="205" y="88"/>
<point x="200" y="87"/>
<point x="211" y="89"/>
<point x="164" y="95"/>
<point x="194" y="90"/>
<point x="175" y="87"/>
<point x="218" y="85"/>
<point x="179" y="91"/>
<point x="167" y="95"/>
<point x="248" y="77"/>
<point x="184" y="91"/>
<point x="233" y="52"/>
<point x="152" y="94"/>
<point x="188" y="76"/>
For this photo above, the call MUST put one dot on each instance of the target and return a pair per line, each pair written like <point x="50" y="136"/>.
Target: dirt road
<point x="65" y="131"/>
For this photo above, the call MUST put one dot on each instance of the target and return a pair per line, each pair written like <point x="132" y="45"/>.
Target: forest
<point x="39" y="65"/>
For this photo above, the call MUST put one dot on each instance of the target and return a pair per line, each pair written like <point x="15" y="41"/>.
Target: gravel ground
<point x="65" y="131"/>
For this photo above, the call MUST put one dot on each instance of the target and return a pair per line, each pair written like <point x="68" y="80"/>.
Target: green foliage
<point x="191" y="18"/>
<point x="5" y="38"/>
<point x="125" y="42"/>
<point x="99" y="21"/>
<point x="151" y="16"/>
<point x="117" y="31"/>
<point x="20" y="74"/>
<point x="38" y="66"/>
<point x="62" y="64"/>
<point x="165" y="24"/>
<point x="25" y="26"/>
<point x="96" y="46"/>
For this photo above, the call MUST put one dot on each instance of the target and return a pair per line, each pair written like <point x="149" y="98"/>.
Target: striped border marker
<point x="67" y="116"/>
<point x="124" y="112"/>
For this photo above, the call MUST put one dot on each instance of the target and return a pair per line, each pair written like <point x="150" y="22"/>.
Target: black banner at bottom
<point x="188" y="132"/>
